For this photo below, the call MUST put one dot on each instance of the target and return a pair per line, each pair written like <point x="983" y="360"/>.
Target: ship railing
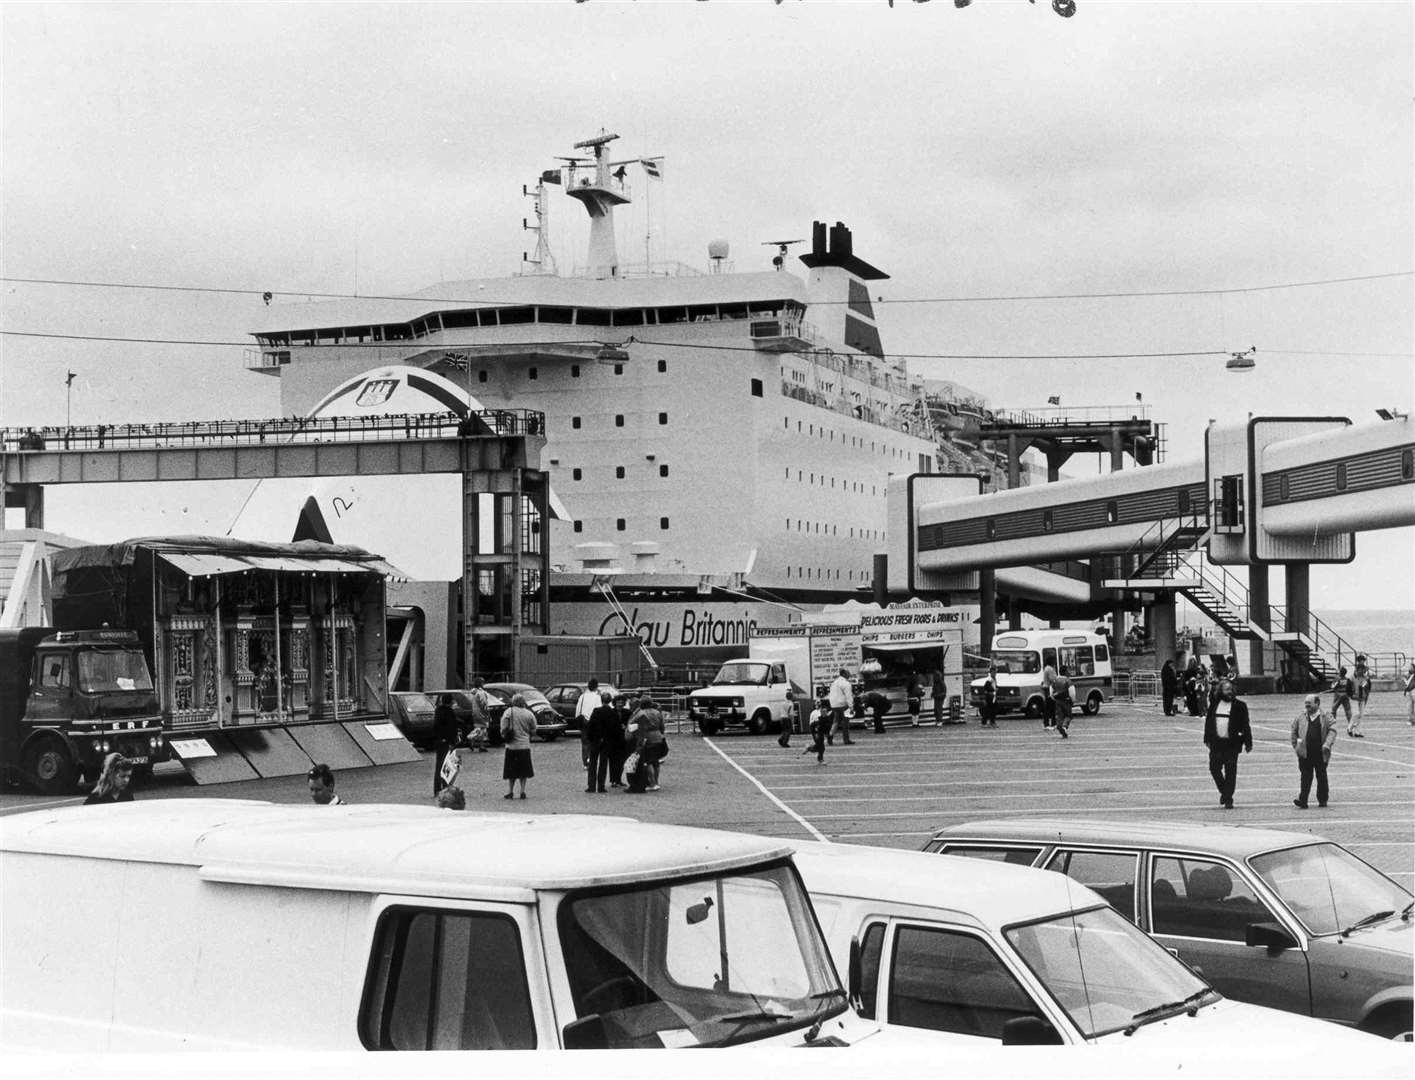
<point x="293" y="430"/>
<point x="1062" y="416"/>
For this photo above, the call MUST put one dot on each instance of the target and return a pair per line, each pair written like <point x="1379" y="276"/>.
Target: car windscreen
<point x="104" y="671"/>
<point x="1328" y="888"/>
<point x="754" y="674"/>
<point x="1105" y="972"/>
<point x="708" y="961"/>
<point x="1016" y="662"/>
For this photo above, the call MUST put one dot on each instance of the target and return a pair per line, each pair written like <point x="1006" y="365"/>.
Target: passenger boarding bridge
<point x="1289" y="491"/>
<point x="497" y="453"/>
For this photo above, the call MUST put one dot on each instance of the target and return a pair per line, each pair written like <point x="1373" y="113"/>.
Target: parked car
<point x="550" y="725"/>
<point x="412" y="713"/>
<point x="1284" y="919"/>
<point x="984" y="951"/>
<point x="563" y="698"/>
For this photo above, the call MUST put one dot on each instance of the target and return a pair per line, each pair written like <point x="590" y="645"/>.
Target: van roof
<point x="378" y="848"/>
<point x="988" y="893"/>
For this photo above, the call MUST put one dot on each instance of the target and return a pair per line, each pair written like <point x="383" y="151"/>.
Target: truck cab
<point x="68" y="698"/>
<point x="758" y="695"/>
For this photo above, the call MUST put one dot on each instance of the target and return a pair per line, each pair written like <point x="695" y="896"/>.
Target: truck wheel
<point x="1093" y="703"/>
<point x="1034" y="709"/>
<point x="707" y="727"/>
<point x="760" y="721"/>
<point x="50" y="768"/>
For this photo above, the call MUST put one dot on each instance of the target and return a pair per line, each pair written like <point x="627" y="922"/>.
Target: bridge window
<point x="1112" y="512"/>
<point x="1341" y="476"/>
<point x="992" y="528"/>
<point x="1046" y="521"/>
<point x="1184" y="500"/>
<point x="1284" y="487"/>
<point x="1407" y="464"/>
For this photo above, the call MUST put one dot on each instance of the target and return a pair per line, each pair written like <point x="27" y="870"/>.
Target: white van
<point x="983" y="950"/>
<point x="1021" y="656"/>
<point x="220" y="924"/>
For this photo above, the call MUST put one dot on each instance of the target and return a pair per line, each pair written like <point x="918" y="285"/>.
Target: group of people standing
<point x="1197" y="685"/>
<point x="618" y="741"/>
<point x="834" y="703"/>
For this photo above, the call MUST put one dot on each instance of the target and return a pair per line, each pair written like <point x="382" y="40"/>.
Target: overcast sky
<point x="993" y="151"/>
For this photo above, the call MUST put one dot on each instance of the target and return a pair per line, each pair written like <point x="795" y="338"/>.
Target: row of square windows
<point x="620" y="524"/>
<point x="845" y="485"/>
<point x="579" y="474"/>
<point x="533" y="373"/>
<point x="819" y="527"/>
<point x="820" y="431"/>
<point x="577" y="422"/>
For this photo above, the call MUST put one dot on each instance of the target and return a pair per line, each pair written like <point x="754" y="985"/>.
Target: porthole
<point x="1046" y="521"/>
<point x="1341" y="476"/>
<point x="1407" y="464"/>
<point x="1112" y="514"/>
<point x="1284" y="487"/>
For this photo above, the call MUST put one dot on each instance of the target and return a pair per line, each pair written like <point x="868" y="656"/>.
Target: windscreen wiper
<point x="1168" y="1009"/>
<point x="1374" y="917"/>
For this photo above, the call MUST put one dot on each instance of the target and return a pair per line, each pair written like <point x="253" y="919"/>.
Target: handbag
<point x="631" y="763"/>
<point x="451" y="766"/>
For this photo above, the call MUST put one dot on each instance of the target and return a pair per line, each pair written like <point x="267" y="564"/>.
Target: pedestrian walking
<point x="938" y="691"/>
<point x="1361" y="677"/>
<point x="518" y="724"/>
<point x="1409" y="691"/>
<point x="1226" y="733"/>
<point x="819" y="726"/>
<point x="320" y="779"/>
<point x="115" y="782"/>
<point x="1194" y="692"/>
<point x="1169" y="687"/>
<point x="989" y="709"/>
<point x="1061" y="702"/>
<point x="1313" y="736"/>
<point x="649" y="739"/>
<point x="446" y="734"/>
<point x="1342" y="688"/>
<point x="1048" y="698"/>
<point x="915" y="695"/>
<point x="841" y="695"/>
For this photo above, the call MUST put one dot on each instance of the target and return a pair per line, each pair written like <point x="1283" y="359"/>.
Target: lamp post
<point x="69" y="398"/>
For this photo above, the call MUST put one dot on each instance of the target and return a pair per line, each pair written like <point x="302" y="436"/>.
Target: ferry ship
<point x="719" y="442"/>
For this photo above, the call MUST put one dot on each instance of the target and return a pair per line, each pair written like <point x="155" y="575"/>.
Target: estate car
<point x="1284" y="919"/>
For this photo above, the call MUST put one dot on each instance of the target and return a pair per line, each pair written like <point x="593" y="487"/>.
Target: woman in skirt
<point x="518" y="724"/>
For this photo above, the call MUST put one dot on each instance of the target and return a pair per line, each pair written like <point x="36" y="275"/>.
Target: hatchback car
<point x="411" y="714"/>
<point x="563" y="698"/>
<point x="550" y="725"/>
<point x="1284" y="919"/>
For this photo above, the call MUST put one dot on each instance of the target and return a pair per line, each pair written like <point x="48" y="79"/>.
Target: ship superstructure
<point x="703" y="430"/>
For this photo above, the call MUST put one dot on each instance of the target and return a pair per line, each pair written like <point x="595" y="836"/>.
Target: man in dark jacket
<point x="594" y="735"/>
<point x="446" y="734"/>
<point x="1226" y="732"/>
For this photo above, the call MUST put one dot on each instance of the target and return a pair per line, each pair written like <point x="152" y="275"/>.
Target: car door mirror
<point x="1270" y="936"/>
<point x="1029" y="1031"/>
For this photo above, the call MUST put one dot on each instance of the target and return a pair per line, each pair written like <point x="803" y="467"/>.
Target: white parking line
<point x="976" y="796"/>
<point x="22" y="807"/>
<point x="762" y="788"/>
<point x="1228" y="817"/>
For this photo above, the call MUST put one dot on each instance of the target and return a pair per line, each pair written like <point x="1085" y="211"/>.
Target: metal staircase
<point x="1171" y="556"/>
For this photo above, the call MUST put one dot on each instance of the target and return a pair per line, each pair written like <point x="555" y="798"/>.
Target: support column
<point x="881" y="582"/>
<point x="1162" y="628"/>
<point x="987" y="602"/>
<point x="1299" y="596"/>
<point x="1259" y="614"/>
<point x="1014" y="617"/>
<point x="1117" y="453"/>
<point x="1014" y="462"/>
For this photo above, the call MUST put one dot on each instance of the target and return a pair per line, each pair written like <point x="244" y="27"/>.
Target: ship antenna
<point x="544" y="261"/>
<point x="779" y="259"/>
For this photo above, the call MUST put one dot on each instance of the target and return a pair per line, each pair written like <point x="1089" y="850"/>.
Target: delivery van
<point x="1021" y="656"/>
<point x="221" y="924"/>
<point x="987" y="951"/>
